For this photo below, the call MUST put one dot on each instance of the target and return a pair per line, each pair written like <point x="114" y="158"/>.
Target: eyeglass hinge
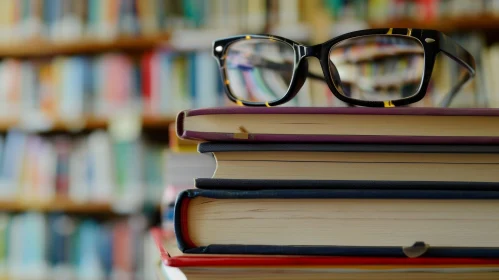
<point x="302" y="51"/>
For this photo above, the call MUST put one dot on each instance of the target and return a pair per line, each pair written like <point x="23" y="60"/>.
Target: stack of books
<point x="339" y="193"/>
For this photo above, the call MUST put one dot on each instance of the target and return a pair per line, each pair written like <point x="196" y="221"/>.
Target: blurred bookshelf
<point x="39" y="48"/>
<point x="57" y="205"/>
<point x="89" y="91"/>
<point x="84" y="123"/>
<point x="482" y="22"/>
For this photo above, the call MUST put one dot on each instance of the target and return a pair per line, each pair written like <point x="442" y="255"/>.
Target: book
<point x="193" y="266"/>
<point x="61" y="237"/>
<point x="351" y="222"/>
<point x="362" y="125"/>
<point x="284" y="163"/>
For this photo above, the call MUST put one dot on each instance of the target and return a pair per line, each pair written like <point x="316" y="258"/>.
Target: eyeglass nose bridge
<point x="310" y="51"/>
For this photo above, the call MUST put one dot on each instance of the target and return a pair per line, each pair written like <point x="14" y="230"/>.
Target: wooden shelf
<point x="155" y="122"/>
<point x="59" y="204"/>
<point x="36" y="48"/>
<point x="444" y="24"/>
<point x="96" y="123"/>
<point x="87" y="123"/>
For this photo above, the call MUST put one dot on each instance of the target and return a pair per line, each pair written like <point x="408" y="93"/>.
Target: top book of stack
<point x="352" y="125"/>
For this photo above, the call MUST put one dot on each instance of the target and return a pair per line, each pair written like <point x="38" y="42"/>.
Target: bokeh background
<point x="89" y="90"/>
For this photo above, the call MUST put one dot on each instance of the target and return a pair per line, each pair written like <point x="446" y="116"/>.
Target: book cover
<point x="348" y="125"/>
<point x="186" y="245"/>
<point x="171" y="256"/>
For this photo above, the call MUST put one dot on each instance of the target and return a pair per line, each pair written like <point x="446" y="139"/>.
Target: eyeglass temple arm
<point x="461" y="56"/>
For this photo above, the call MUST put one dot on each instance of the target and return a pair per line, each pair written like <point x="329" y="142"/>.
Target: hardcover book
<point x="341" y="165"/>
<point x="194" y="266"/>
<point x="323" y="124"/>
<point x="394" y="223"/>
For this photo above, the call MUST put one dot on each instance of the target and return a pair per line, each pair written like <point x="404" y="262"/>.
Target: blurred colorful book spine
<point x="70" y="247"/>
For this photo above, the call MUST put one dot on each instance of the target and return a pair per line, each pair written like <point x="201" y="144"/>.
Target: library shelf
<point x="472" y="22"/>
<point x="155" y="122"/>
<point x="37" y="48"/>
<point x="54" y="205"/>
<point x="86" y="123"/>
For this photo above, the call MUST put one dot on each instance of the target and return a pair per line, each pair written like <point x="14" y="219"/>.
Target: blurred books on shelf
<point x="71" y="172"/>
<point x="75" y="89"/>
<point x="444" y="15"/>
<point x="55" y="22"/>
<point x="58" y="246"/>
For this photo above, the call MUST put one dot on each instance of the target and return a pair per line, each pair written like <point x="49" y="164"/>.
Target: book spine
<point x="184" y="242"/>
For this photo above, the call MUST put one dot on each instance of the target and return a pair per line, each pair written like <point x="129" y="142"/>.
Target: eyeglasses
<point x="375" y="67"/>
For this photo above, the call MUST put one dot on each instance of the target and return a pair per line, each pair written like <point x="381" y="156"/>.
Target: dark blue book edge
<point x="375" y="251"/>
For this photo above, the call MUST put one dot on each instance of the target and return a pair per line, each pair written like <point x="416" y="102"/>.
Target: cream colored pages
<point x="344" y="222"/>
<point x="346" y="124"/>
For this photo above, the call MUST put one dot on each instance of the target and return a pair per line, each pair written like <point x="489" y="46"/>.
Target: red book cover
<point x="428" y="9"/>
<point x="122" y="249"/>
<point x="146" y="69"/>
<point x="177" y="259"/>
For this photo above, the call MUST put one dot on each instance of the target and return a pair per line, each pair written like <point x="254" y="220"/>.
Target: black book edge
<point x="212" y="147"/>
<point x="262" y="184"/>
<point x="348" y="251"/>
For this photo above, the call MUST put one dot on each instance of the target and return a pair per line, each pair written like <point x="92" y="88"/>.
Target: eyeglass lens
<point x="259" y="70"/>
<point x="377" y="67"/>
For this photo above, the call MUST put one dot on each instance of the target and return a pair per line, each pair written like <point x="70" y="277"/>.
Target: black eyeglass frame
<point x="433" y="42"/>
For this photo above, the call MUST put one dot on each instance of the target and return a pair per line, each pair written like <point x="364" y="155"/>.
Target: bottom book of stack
<point x="175" y="265"/>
